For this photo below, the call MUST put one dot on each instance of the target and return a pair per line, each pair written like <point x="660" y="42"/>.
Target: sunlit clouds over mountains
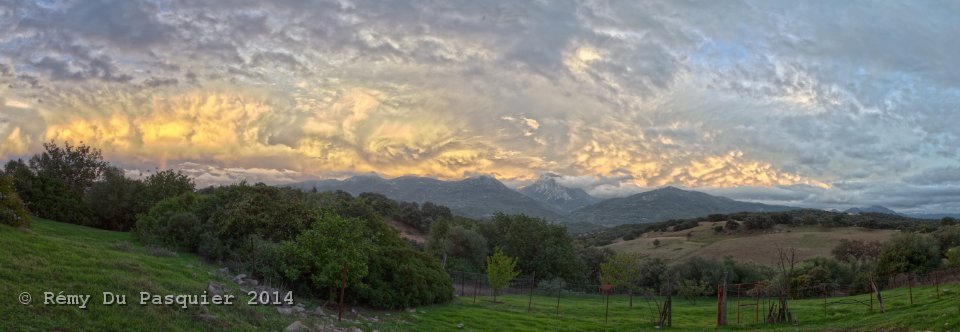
<point x="810" y="103"/>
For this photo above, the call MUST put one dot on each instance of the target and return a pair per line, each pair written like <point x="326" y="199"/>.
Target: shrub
<point x="856" y="250"/>
<point x="400" y="277"/>
<point x="172" y="223"/>
<point x="12" y="210"/>
<point x="732" y="225"/>
<point x="909" y="252"/>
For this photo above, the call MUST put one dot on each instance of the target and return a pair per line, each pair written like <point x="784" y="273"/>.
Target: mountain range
<point x="482" y="196"/>
<point x="871" y="209"/>
<point x="475" y="197"/>
<point x="664" y="204"/>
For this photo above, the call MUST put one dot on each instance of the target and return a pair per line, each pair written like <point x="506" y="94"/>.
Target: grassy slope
<point x="810" y="241"/>
<point x="586" y="313"/>
<point x="58" y="257"/>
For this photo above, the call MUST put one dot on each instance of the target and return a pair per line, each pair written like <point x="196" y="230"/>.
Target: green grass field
<point x="58" y="257"/>
<point x="586" y="313"/>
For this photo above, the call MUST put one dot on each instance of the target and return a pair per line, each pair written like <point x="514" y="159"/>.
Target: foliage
<point x="758" y="222"/>
<point x="465" y="249"/>
<point x="116" y="200"/>
<point x="500" y="270"/>
<point x="948" y="237"/>
<point x="400" y="277"/>
<point x="172" y="223"/>
<point x="731" y="225"/>
<point x="47" y="196"/>
<point x="331" y="248"/>
<point x="621" y="271"/>
<point x="77" y="166"/>
<point x="12" y="210"/>
<point x="909" y="252"/>
<point x="857" y="250"/>
<point x="953" y="256"/>
<point x="539" y="246"/>
<point x="162" y="184"/>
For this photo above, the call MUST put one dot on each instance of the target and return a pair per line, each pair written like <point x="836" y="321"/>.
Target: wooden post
<point x="871" y="301"/>
<point x="343" y="285"/>
<point x="738" y="304"/>
<point x="824" y="289"/>
<point x="461" y="283"/>
<point x="936" y="281"/>
<point x="630" y="294"/>
<point x="669" y="300"/>
<point x="533" y="283"/>
<point x="606" y="312"/>
<point x="720" y="320"/>
<point x="476" y="289"/>
<point x="879" y="296"/>
<point x="558" y="298"/>
<point x="910" y="286"/>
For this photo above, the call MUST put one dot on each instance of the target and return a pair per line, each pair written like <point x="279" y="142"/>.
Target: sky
<point x="827" y="104"/>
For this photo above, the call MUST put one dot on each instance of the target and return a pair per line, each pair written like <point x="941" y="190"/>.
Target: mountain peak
<point x="871" y="209"/>
<point x="551" y="192"/>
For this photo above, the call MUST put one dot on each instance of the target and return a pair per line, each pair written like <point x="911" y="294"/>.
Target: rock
<point x="354" y="311"/>
<point x="298" y="309"/>
<point x="319" y="312"/>
<point x="460" y="326"/>
<point x="239" y="278"/>
<point x="252" y="282"/>
<point x="354" y="329"/>
<point x="296" y="327"/>
<point x="223" y="270"/>
<point x="412" y="310"/>
<point x="214" y="288"/>
<point x="286" y="311"/>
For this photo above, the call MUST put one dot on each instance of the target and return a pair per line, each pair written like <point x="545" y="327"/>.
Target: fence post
<point x="606" y="312"/>
<point x="936" y="280"/>
<point x="910" y="286"/>
<point x="558" y="298"/>
<point x="476" y="289"/>
<point x="823" y="288"/>
<point x="879" y="296"/>
<point x="738" y="304"/>
<point x="461" y="284"/>
<point x="533" y="283"/>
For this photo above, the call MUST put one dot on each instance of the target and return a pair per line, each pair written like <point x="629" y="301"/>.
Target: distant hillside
<point x="871" y="209"/>
<point x="476" y="197"/>
<point x="664" y="204"/>
<point x="555" y="195"/>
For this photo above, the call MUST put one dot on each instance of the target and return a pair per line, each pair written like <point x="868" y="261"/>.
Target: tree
<point x="849" y="250"/>
<point x="500" y="270"/>
<point x="909" y="252"/>
<point x="622" y="270"/>
<point x="115" y="201"/>
<point x="732" y="225"/>
<point x="164" y="184"/>
<point x="12" y="210"/>
<point x="332" y="253"/>
<point x="656" y="243"/>
<point x="538" y="245"/>
<point x="948" y="221"/>
<point x="77" y="166"/>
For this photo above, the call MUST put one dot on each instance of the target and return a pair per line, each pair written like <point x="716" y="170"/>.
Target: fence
<point x="736" y="303"/>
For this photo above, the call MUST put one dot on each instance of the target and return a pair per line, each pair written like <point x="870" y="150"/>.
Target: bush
<point x="172" y="223"/>
<point x="732" y="225"/>
<point x="909" y="252"/>
<point x="856" y="250"/>
<point x="401" y="278"/>
<point x="12" y="210"/>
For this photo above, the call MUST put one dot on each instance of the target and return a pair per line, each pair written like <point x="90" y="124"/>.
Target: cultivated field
<point x="746" y="246"/>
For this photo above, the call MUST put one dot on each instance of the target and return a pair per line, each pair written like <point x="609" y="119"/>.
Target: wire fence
<point x="739" y="304"/>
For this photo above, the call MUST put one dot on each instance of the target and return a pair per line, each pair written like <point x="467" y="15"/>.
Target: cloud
<point x="775" y="98"/>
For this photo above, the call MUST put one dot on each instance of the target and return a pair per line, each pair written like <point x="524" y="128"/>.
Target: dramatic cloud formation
<point x="814" y="103"/>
